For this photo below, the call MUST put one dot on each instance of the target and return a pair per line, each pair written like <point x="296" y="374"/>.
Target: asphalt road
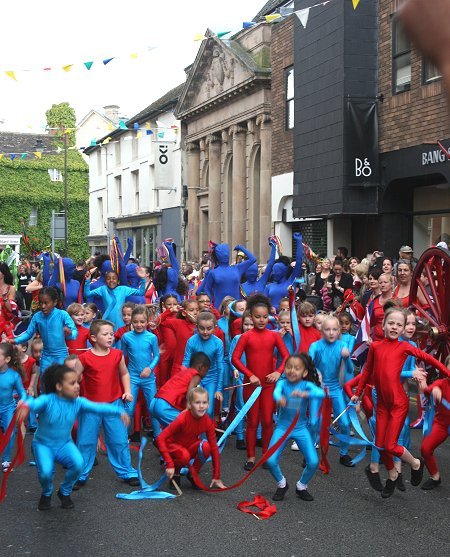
<point x="346" y="518"/>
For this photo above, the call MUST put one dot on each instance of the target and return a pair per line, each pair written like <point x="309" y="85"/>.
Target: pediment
<point x="220" y="66"/>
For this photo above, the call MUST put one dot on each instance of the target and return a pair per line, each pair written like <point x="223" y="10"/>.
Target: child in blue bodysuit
<point x="293" y="392"/>
<point x="10" y="383"/>
<point x="114" y="296"/>
<point x="247" y="324"/>
<point x="327" y="355"/>
<point x="58" y="410"/>
<point x="205" y="341"/>
<point x="54" y="326"/>
<point x="141" y="348"/>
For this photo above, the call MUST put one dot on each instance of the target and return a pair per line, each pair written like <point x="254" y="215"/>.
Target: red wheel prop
<point x="432" y="279"/>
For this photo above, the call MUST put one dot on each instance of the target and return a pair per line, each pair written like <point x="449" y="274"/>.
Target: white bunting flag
<point x="303" y="16"/>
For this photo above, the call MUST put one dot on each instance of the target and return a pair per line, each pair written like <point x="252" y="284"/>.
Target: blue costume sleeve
<point x="155" y="350"/>
<point x="231" y="349"/>
<point x="31" y="330"/>
<point x="18" y="386"/>
<point x="134" y="291"/>
<point x="297" y="272"/>
<point x="54" y="279"/>
<point x="68" y="322"/>
<point x="270" y="263"/>
<point x="245" y="264"/>
<point x="314" y="390"/>
<point x="123" y="258"/>
<point x="45" y="269"/>
<point x="187" y="353"/>
<point x="278" y="391"/>
<point x="172" y="257"/>
<point x="95" y="293"/>
<point x="220" y="366"/>
<point x="38" y="404"/>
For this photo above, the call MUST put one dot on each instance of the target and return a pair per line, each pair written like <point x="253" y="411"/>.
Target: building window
<point x="55" y="175"/>
<point x="118" y="181"/>
<point x="430" y="72"/>
<point x="289" y="95"/>
<point x="401" y="58"/>
<point x="135" y="181"/>
<point x="33" y="218"/>
<point x="100" y="212"/>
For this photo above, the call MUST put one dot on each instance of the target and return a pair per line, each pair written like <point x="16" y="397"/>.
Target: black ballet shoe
<point x="78" y="485"/>
<point x="346" y="460"/>
<point x="280" y="493"/>
<point x="417" y="475"/>
<point x="431" y="484"/>
<point x="389" y="488"/>
<point x="133" y="481"/>
<point x="240" y="445"/>
<point x="400" y="483"/>
<point x="304" y="494"/>
<point x="45" y="503"/>
<point x="249" y="465"/>
<point x="66" y="501"/>
<point x="374" y="479"/>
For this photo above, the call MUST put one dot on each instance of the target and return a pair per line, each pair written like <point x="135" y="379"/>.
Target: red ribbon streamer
<point x="19" y="457"/>
<point x="325" y="434"/>
<point x="266" y="510"/>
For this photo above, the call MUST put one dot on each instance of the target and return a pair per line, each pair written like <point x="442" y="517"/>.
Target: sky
<point x="52" y="34"/>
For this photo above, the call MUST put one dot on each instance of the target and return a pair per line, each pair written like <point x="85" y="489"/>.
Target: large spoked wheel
<point x="432" y="279"/>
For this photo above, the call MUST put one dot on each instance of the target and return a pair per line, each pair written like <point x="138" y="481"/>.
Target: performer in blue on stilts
<point x="252" y="282"/>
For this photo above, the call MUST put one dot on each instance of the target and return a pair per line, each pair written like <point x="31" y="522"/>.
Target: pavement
<point x="347" y="518"/>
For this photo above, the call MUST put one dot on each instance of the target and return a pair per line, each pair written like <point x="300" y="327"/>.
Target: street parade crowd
<point x="301" y="354"/>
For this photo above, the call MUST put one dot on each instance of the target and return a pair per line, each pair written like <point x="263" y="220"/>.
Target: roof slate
<point x="15" y="142"/>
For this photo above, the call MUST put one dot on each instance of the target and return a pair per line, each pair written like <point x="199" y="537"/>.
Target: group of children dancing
<point x="192" y="362"/>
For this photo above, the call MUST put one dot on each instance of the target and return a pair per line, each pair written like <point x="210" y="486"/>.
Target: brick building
<point x="368" y="114"/>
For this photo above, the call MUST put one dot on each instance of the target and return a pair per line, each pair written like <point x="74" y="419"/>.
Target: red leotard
<point x="121" y="331"/>
<point x="101" y="375"/>
<point x="385" y="363"/>
<point x="308" y="335"/>
<point x="259" y="346"/>
<point x="366" y="400"/>
<point x="167" y="345"/>
<point x="28" y="368"/>
<point x="179" y="442"/>
<point x="175" y="389"/>
<point x="236" y="327"/>
<point x="80" y="343"/>
<point x="404" y="300"/>
<point x="376" y="321"/>
<point x="441" y="424"/>
<point x="183" y="330"/>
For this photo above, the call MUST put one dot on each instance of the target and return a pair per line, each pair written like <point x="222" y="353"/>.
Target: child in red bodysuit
<point x="440" y="391"/>
<point x="384" y="364"/>
<point x="308" y="333"/>
<point x="180" y="441"/>
<point x="79" y="345"/>
<point x="259" y="345"/>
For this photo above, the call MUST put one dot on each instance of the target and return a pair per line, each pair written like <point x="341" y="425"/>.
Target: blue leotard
<point x="304" y="430"/>
<point x="10" y="382"/>
<point x="113" y="299"/>
<point x="53" y="440"/>
<point x="142" y="351"/>
<point x="51" y="329"/>
<point x="213" y="348"/>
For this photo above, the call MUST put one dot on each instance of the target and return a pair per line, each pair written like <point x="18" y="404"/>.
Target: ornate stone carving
<point x="192" y="146"/>
<point x="221" y="70"/>
<point x="263" y="119"/>
<point x="236" y="129"/>
<point x="213" y="138"/>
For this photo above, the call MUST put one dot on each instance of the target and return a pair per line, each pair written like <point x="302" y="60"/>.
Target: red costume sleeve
<point x="236" y="359"/>
<point x="350" y="385"/>
<point x="420" y="355"/>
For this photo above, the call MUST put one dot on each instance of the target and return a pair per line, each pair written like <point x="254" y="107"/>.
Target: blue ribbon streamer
<point x="428" y="417"/>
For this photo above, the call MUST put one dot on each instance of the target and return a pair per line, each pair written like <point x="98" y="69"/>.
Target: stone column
<point x="214" y="147"/>
<point x="193" y="161"/>
<point x="239" y="190"/>
<point x="265" y="219"/>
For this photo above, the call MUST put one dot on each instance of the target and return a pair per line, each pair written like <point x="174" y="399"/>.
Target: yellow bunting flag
<point x="139" y="135"/>
<point x="37" y="154"/>
<point x="134" y="55"/>
<point x="1" y="156"/>
<point x="11" y="74"/>
<point x="106" y="141"/>
<point x="355" y="4"/>
<point x="110" y="126"/>
<point x="272" y="17"/>
<point x="199" y="37"/>
<point x="67" y="68"/>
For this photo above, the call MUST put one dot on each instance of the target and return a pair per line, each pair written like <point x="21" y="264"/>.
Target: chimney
<point x="112" y="112"/>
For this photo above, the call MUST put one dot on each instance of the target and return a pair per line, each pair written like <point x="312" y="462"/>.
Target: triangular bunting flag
<point x="1" y="156"/>
<point x="136" y="126"/>
<point x="160" y="135"/>
<point x="134" y="55"/>
<point x="138" y="135"/>
<point x="59" y="150"/>
<point x="272" y="17"/>
<point x="67" y="68"/>
<point x="222" y="34"/>
<point x="12" y="156"/>
<point x="23" y="156"/>
<point x="199" y="37"/>
<point x="11" y="74"/>
<point x="303" y="16"/>
<point x="107" y="60"/>
<point x="122" y="125"/>
<point x="247" y="24"/>
<point x="355" y="4"/>
<point x="106" y="141"/>
<point x="286" y="11"/>
<point x="110" y="126"/>
<point x="88" y="65"/>
<point x="38" y="154"/>
<point x="93" y="142"/>
<point x="149" y="132"/>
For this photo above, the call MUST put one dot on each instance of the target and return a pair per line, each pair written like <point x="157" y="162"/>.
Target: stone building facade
<point x="225" y="109"/>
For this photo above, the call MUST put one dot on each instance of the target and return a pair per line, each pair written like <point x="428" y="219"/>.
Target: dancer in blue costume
<point x="281" y="278"/>
<point x="113" y="296"/>
<point x="225" y="279"/>
<point x="327" y="355"/>
<point x="255" y="284"/>
<point x="134" y="280"/>
<point x="205" y="341"/>
<point x="299" y="385"/>
<point x="71" y="286"/>
<point x="54" y="326"/>
<point x="166" y="278"/>
<point x="10" y="382"/>
<point x="141" y="347"/>
<point x="58" y="410"/>
<point x="345" y="320"/>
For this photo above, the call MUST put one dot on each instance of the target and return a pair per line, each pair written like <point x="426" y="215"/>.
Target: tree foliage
<point x="62" y="116"/>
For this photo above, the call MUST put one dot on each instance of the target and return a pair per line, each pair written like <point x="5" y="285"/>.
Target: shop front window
<point x="431" y="217"/>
